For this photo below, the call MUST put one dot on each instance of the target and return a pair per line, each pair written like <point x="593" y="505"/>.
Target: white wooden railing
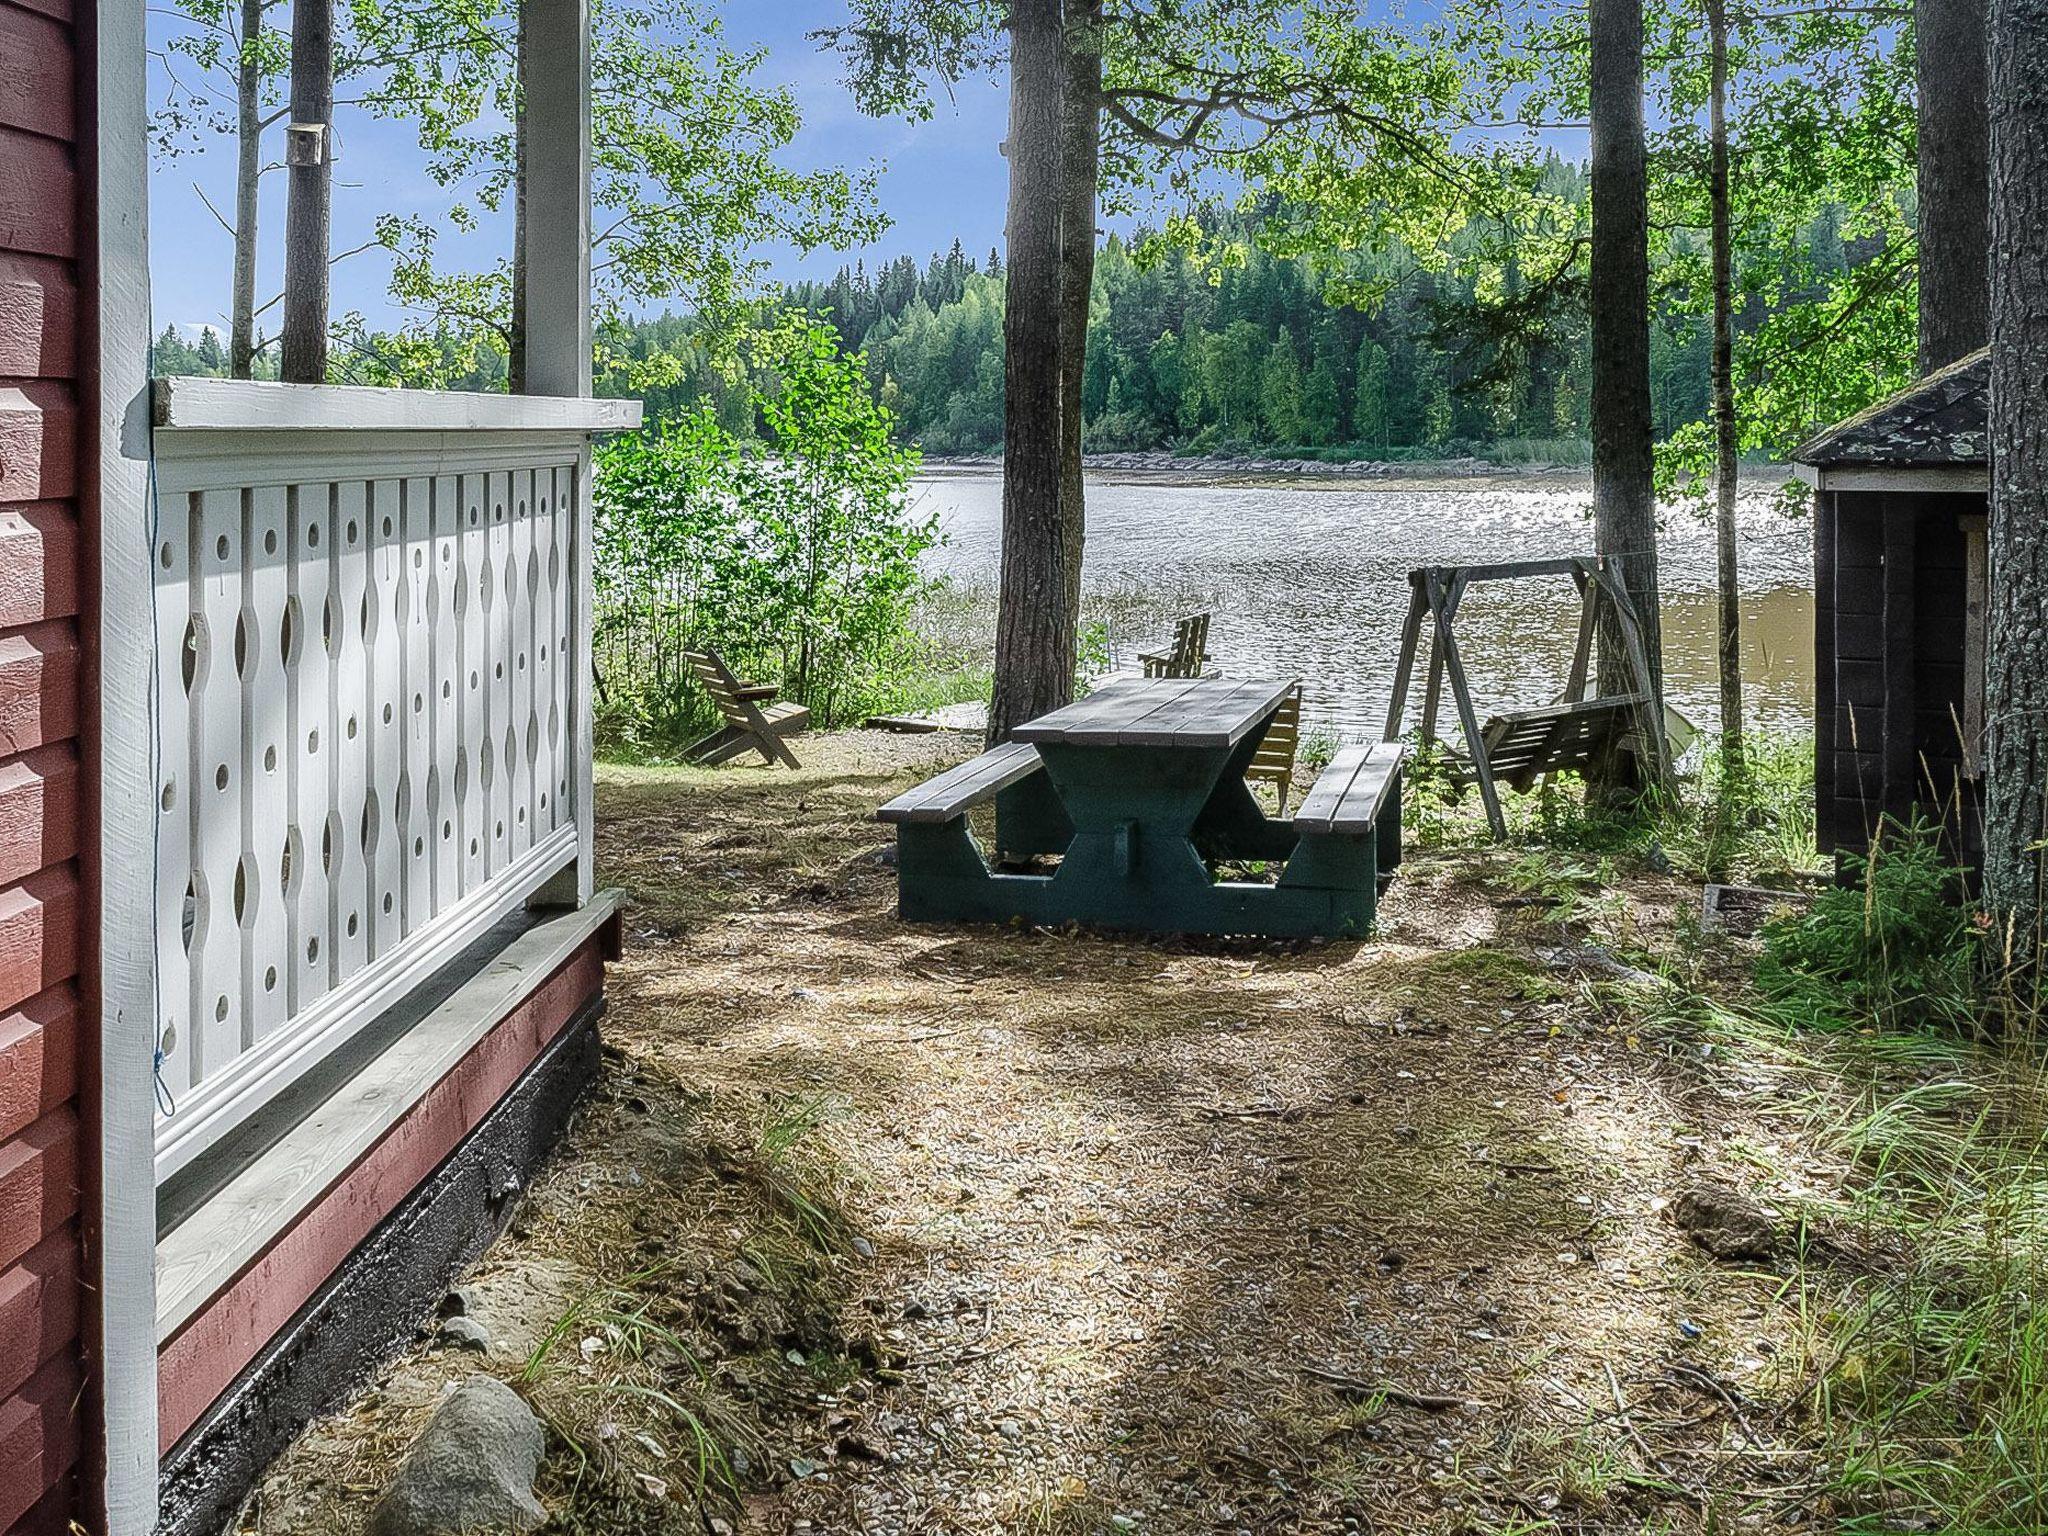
<point x="372" y="724"/>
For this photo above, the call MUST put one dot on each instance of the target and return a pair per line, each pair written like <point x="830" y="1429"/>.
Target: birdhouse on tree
<point x="1901" y="494"/>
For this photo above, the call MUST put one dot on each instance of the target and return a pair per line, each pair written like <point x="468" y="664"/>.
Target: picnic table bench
<point x="1139" y="791"/>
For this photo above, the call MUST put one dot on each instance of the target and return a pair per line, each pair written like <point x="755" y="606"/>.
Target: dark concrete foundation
<point x="372" y="1307"/>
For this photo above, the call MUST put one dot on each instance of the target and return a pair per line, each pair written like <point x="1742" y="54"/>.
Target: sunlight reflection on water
<point x="1311" y="580"/>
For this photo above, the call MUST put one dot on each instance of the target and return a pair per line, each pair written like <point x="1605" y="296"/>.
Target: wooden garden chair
<point x="753" y="720"/>
<point x="1185" y="656"/>
<point x="1274" y="763"/>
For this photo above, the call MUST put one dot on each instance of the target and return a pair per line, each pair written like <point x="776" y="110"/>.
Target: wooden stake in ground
<point x="2016" y="662"/>
<point x="309" y="156"/>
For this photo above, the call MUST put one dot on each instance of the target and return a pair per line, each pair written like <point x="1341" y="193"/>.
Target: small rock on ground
<point x="465" y="1333"/>
<point x="1728" y="1225"/>
<point x="471" y="1470"/>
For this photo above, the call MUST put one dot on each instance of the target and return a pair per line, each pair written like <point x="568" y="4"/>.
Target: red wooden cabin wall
<point x="41" y="1027"/>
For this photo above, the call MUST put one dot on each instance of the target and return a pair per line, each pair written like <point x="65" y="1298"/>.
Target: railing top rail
<point x="245" y="405"/>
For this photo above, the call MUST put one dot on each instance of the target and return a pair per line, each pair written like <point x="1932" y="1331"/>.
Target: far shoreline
<point x="1410" y="475"/>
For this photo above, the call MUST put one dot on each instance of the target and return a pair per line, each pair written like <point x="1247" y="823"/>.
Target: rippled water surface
<point x="1310" y="580"/>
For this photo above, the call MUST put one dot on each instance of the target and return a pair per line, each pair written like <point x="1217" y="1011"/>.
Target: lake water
<point x="1309" y="579"/>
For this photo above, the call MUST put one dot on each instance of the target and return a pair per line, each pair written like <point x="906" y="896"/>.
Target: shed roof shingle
<point x="1941" y="420"/>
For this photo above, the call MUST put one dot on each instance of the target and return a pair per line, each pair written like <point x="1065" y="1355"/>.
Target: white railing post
<point x="558" y="339"/>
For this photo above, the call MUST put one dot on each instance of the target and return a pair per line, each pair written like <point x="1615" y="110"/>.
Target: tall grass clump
<point x="1891" y="946"/>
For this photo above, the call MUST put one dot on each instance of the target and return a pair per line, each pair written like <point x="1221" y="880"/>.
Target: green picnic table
<point x="1139" y="790"/>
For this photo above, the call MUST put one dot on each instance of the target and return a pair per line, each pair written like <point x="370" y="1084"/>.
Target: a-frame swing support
<point x="1435" y="593"/>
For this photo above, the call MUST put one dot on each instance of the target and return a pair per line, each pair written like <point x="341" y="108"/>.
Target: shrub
<point x="794" y="553"/>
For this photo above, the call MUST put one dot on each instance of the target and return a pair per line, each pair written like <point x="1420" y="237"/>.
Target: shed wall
<point x="1890" y="588"/>
<point x="42" y="1033"/>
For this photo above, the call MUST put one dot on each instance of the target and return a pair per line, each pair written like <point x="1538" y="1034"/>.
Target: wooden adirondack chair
<point x="1274" y="763"/>
<point x="1185" y="656"/>
<point x="753" y="721"/>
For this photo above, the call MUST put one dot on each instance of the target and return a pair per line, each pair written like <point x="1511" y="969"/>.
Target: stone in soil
<point x="470" y="1471"/>
<point x="1727" y="1224"/>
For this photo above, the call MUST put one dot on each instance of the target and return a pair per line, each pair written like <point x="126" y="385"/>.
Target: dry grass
<point x="976" y="1230"/>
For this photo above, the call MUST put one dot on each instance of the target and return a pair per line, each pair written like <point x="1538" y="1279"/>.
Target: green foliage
<point x="794" y="552"/>
<point x="690" y="186"/>
<point x="1894" y="949"/>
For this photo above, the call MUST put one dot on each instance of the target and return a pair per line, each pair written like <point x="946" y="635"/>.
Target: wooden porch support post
<point x="118" y="1084"/>
<point x="557" y="304"/>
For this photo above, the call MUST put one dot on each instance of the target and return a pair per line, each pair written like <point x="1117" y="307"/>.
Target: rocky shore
<point x="1234" y="467"/>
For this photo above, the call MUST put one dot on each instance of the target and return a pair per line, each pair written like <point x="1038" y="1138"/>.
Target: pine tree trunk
<point x="304" y="358"/>
<point x="248" y="179"/>
<point x="1080" y="207"/>
<point x="2016" y="671"/>
<point x="1955" y="180"/>
<point x="1034" y="630"/>
<point x="1624" y="494"/>
<point x="1727" y="463"/>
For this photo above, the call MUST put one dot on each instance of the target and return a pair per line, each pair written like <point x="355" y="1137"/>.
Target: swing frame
<point x="1435" y="593"/>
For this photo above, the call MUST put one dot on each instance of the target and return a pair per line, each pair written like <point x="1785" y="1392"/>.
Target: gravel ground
<point x="974" y="1230"/>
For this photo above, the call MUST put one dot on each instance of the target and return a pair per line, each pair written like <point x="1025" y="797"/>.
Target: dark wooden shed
<point x="1900" y="497"/>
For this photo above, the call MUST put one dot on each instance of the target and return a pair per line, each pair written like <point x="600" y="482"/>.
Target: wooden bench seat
<point x="958" y="790"/>
<point x="1358" y="795"/>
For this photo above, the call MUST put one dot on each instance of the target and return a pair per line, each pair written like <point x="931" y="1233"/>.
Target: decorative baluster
<point x="518" y="764"/>
<point x="216" y="756"/>
<point x="309" y="767"/>
<point x="177" y="656"/>
<point x="444" y="709"/>
<point x="384" y="642"/>
<point x="348" y="867"/>
<point x="266" y="746"/>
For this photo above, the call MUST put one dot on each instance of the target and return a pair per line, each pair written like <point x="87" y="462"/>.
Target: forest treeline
<point x="1262" y="351"/>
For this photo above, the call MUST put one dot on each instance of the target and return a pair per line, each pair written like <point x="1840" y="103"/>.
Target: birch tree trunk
<point x="1727" y="462"/>
<point x="2016" y="670"/>
<point x="1624" y="494"/>
<point x="248" y="178"/>
<point x="304" y="358"/>
<point x="1955" y="180"/>
<point x="1034" y="625"/>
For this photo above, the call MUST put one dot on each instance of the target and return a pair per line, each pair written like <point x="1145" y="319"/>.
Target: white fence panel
<point x="364" y="708"/>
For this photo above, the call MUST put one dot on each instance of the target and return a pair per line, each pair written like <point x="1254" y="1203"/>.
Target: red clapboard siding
<point x="38" y="812"/>
<point x="38" y="195"/>
<point x="196" y="1366"/>
<point x="38" y="1183"/>
<point x="38" y="1062"/>
<point x="36" y="72"/>
<point x="38" y="687"/>
<point x="38" y="939"/>
<point x="38" y="1307"/>
<point x="38" y="438"/>
<point x="38" y="1437"/>
<point x="38" y="564"/>
<point x="38" y="318"/>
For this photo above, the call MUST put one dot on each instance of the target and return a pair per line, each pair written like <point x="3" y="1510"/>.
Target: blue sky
<point x="941" y="180"/>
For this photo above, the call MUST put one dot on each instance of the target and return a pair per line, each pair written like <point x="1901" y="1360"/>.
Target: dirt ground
<point x="873" y="1228"/>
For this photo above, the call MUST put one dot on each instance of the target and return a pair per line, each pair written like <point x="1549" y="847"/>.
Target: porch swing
<point x="1522" y="746"/>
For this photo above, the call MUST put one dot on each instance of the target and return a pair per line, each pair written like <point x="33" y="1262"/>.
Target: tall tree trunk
<point x="248" y="178"/>
<point x="1624" y="491"/>
<point x="1727" y="464"/>
<point x="515" y="337"/>
<point x="304" y="359"/>
<point x="1034" y="628"/>
<point x="1080" y="205"/>
<point x="1955" y="180"/>
<point x="2016" y="670"/>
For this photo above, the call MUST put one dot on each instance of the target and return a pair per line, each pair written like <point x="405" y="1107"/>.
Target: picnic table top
<point x="1163" y="712"/>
